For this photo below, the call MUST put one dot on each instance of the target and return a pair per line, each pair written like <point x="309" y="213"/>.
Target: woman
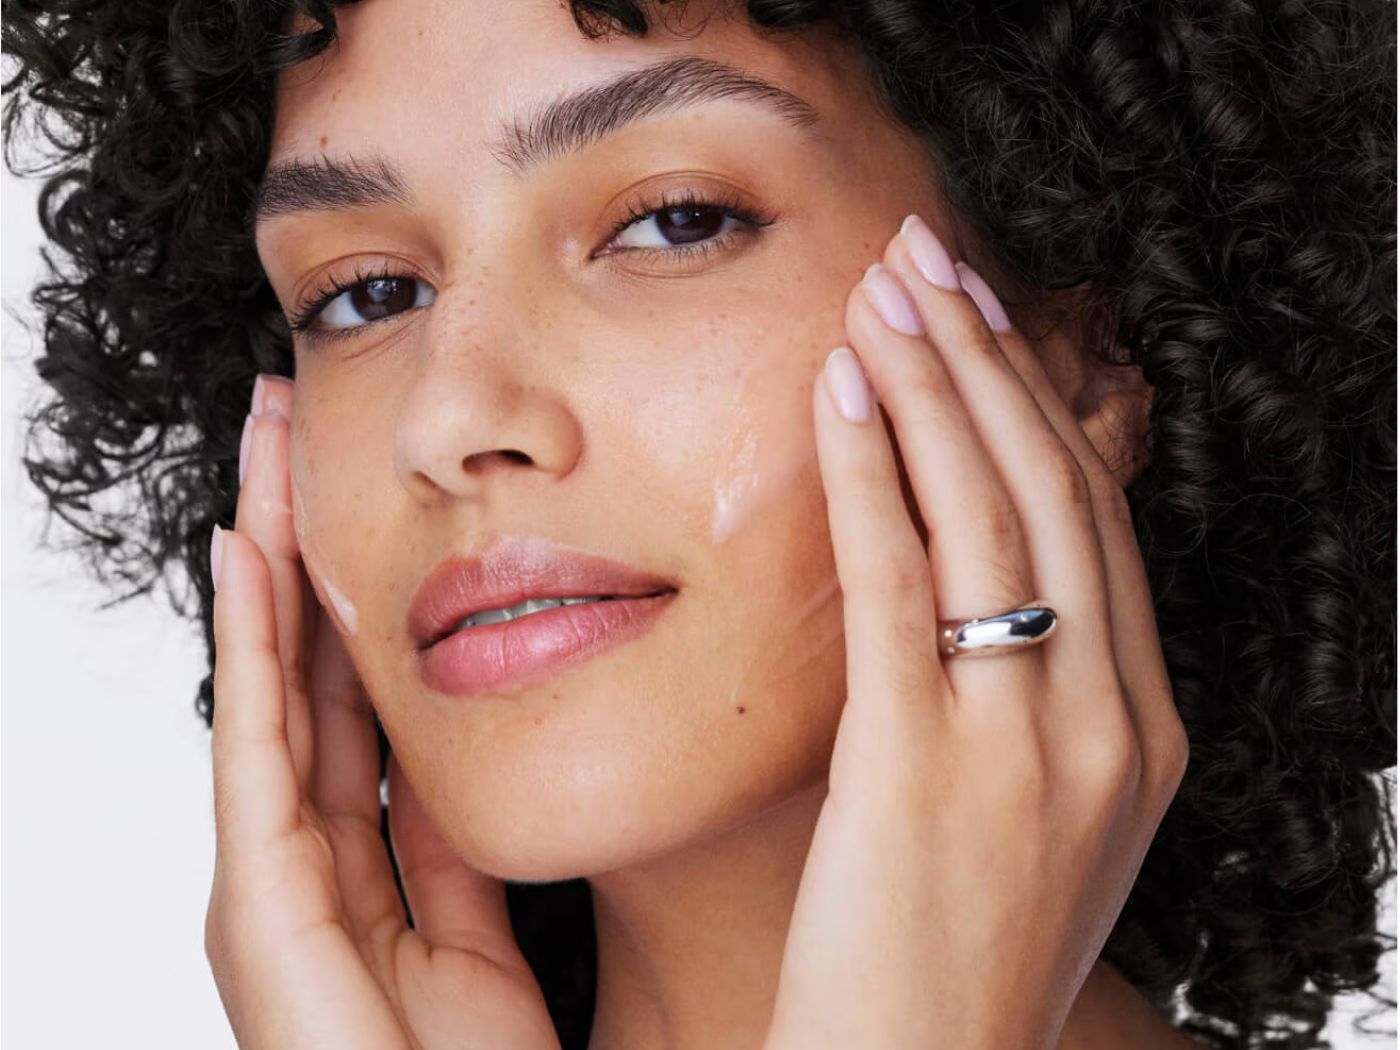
<point x="559" y="295"/>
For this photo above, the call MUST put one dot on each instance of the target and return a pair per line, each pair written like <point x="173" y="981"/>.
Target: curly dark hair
<point x="1219" y="172"/>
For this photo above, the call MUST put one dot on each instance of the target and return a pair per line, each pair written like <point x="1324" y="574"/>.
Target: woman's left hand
<point x="985" y="817"/>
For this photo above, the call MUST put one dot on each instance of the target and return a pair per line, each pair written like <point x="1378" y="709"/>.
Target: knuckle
<point x="214" y="929"/>
<point x="997" y="521"/>
<point x="1173" y="747"/>
<point x="1065" y="479"/>
<point x="1109" y="759"/>
<point x="1112" y="501"/>
<point x="928" y="395"/>
<point x="906" y="583"/>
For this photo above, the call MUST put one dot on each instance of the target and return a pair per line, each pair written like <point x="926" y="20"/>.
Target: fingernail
<point x="929" y="255"/>
<point x="245" y="444"/>
<point x="259" y="395"/>
<point x="850" y="390"/>
<point x="986" y="299"/>
<point x="216" y="554"/>
<point x="891" y="301"/>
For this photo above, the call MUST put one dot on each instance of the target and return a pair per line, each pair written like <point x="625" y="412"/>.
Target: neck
<point x="690" y="944"/>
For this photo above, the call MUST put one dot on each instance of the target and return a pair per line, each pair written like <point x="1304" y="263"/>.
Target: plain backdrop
<point x="108" y="847"/>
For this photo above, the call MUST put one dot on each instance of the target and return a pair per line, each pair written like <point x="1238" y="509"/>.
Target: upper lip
<point x="508" y="572"/>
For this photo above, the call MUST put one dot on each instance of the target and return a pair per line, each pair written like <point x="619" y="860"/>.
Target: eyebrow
<point x="564" y="125"/>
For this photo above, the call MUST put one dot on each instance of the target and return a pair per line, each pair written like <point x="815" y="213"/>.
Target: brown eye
<point x="368" y="301"/>
<point x="382" y="297"/>
<point x="686" y="225"/>
<point x="673" y="226"/>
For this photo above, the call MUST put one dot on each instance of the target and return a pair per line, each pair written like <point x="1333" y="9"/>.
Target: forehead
<point x="454" y="69"/>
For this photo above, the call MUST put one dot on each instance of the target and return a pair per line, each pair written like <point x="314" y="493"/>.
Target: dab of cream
<point x="761" y="470"/>
<point x="343" y="607"/>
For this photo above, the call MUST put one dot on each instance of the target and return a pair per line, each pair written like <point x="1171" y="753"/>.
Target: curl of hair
<point x="1219" y="172"/>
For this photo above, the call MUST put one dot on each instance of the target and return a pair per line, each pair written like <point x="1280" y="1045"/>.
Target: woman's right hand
<point x="305" y="933"/>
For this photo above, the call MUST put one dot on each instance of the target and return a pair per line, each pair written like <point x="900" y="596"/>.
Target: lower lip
<point x="531" y="648"/>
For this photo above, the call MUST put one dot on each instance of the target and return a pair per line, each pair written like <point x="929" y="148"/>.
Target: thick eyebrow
<point x="578" y="119"/>
<point x="566" y="124"/>
<point x="325" y="184"/>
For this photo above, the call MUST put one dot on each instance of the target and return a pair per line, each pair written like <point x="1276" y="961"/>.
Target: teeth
<point x="530" y="605"/>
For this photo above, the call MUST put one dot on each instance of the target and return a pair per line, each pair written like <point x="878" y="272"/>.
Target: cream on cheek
<point x="764" y="459"/>
<point x="772" y="447"/>
<point x="342" y="609"/>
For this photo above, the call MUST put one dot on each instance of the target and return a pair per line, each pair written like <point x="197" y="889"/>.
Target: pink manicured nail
<point x="245" y="445"/>
<point x="929" y="255"/>
<point x="850" y="390"/>
<point x="216" y="554"/>
<point x="274" y="393"/>
<point x="259" y="395"/>
<point x="891" y="300"/>
<point x="986" y="299"/>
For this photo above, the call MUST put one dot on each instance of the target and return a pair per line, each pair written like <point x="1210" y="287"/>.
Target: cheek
<point x="721" y="414"/>
<point x="769" y="444"/>
<point x="320" y="511"/>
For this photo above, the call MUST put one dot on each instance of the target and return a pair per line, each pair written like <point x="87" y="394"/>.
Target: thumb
<point x="453" y="904"/>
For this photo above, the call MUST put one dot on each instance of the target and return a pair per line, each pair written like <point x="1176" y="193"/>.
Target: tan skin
<point x="763" y="764"/>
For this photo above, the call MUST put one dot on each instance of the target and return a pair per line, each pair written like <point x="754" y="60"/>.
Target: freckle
<point x="324" y="140"/>
<point x="741" y="709"/>
<point x="539" y="721"/>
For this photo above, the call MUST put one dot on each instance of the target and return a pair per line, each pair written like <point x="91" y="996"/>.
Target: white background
<point x="107" y="799"/>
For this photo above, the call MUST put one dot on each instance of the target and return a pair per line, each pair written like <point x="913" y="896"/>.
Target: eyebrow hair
<point x="325" y="184"/>
<point x="568" y="123"/>
<point x="576" y="120"/>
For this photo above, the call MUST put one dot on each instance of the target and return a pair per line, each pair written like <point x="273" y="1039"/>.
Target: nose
<point x="477" y="415"/>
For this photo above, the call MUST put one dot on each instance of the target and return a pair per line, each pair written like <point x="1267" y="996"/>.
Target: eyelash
<point x="302" y="320"/>
<point x="730" y="205"/>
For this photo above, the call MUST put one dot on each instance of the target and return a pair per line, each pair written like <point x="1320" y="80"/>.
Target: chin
<point x="549" y="813"/>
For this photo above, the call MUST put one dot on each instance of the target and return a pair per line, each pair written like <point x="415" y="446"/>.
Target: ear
<point x="1113" y="411"/>
<point x="1109" y="401"/>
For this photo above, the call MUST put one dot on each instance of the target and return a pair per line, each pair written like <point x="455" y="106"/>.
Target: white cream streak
<point x="342" y="608"/>
<point x="766" y="461"/>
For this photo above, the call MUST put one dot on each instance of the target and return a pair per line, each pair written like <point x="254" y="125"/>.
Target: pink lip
<point x="534" y="647"/>
<point x="531" y="647"/>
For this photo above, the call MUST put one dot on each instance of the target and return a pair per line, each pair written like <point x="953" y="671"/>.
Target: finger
<point x="345" y="785"/>
<point x="881" y="565"/>
<point x="1044" y="481"/>
<point x="978" y="555"/>
<point x="256" y="801"/>
<point x="1135" y="636"/>
<point x="265" y="516"/>
<point x="453" y="904"/>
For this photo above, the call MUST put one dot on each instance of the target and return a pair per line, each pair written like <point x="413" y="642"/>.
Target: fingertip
<point x="272" y="393"/>
<point x="216" y="554"/>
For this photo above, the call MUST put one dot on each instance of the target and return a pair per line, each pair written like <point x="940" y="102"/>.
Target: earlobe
<point x="1115" y="419"/>
<point x="1108" y="397"/>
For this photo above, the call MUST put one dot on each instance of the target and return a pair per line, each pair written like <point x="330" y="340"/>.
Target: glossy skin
<point x="668" y="413"/>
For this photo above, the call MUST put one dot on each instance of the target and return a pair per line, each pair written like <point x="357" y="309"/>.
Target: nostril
<point x="481" y="458"/>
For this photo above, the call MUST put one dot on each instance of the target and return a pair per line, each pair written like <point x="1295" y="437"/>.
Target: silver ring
<point x="1004" y="632"/>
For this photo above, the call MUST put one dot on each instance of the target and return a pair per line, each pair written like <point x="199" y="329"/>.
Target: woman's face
<point x="643" y="395"/>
